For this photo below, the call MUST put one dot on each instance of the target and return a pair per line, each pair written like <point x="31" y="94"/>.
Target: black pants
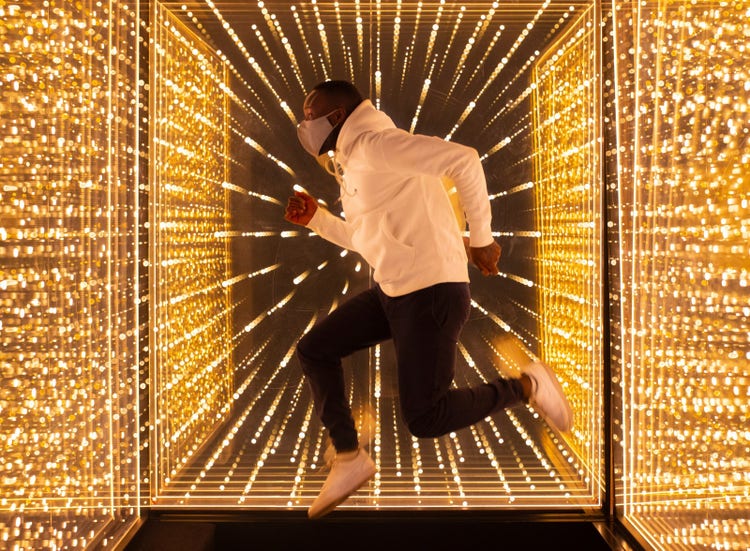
<point x="425" y="326"/>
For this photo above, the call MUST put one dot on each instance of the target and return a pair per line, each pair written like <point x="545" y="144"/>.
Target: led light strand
<point x="461" y="64"/>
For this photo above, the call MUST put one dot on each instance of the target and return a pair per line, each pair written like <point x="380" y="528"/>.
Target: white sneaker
<point x="349" y="471"/>
<point x="547" y="396"/>
<point x="364" y="421"/>
<point x="329" y="456"/>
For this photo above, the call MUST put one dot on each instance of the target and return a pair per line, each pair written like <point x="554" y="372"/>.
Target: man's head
<point x="326" y="108"/>
<point x="334" y="98"/>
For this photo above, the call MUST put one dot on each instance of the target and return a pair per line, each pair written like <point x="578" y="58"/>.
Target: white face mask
<point x="313" y="134"/>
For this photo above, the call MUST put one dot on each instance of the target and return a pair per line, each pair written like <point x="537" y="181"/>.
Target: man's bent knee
<point x="306" y="351"/>
<point x="424" y="426"/>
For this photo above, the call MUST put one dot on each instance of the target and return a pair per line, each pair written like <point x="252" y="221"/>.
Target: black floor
<point x="373" y="531"/>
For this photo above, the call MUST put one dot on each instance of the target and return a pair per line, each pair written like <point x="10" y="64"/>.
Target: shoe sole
<point x="331" y="506"/>
<point x="568" y="409"/>
<point x="323" y="512"/>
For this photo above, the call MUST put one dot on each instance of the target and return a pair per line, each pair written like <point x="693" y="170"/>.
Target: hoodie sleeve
<point x="400" y="151"/>
<point x="331" y="228"/>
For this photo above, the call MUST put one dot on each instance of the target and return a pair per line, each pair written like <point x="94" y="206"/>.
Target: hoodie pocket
<point x="377" y="242"/>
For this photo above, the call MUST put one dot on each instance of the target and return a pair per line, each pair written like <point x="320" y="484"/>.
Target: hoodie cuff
<point x="316" y="219"/>
<point x="479" y="239"/>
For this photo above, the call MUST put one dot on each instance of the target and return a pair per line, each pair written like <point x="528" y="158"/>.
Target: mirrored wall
<point x="69" y="264"/>
<point x="681" y="329"/>
<point x="233" y="423"/>
<point x="152" y="293"/>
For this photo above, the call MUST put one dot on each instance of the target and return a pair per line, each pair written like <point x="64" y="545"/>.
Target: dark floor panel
<point x="391" y="531"/>
<point x="409" y="535"/>
<point x="156" y="535"/>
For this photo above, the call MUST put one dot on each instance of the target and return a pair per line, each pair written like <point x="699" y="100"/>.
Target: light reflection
<point x="69" y="274"/>
<point x="682" y="122"/>
<point x="567" y="187"/>
<point x="682" y="146"/>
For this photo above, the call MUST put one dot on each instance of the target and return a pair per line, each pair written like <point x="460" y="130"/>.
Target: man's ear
<point x="338" y="115"/>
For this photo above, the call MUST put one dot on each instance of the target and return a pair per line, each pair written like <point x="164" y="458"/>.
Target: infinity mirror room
<point x="153" y="294"/>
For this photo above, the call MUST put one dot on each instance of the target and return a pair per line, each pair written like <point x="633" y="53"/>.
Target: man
<point x="400" y="219"/>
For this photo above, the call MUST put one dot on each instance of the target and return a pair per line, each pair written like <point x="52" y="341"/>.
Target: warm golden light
<point x="69" y="312"/>
<point x="191" y="381"/>
<point x="151" y="293"/>
<point x="684" y="265"/>
<point x="270" y="448"/>
<point x="567" y="190"/>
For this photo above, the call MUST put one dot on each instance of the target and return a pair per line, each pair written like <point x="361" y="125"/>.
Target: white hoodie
<point x="398" y="214"/>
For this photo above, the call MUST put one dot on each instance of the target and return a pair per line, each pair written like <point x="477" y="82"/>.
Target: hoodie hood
<point x="365" y="118"/>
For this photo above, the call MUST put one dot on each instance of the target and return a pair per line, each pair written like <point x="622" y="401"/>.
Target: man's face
<point x="318" y="104"/>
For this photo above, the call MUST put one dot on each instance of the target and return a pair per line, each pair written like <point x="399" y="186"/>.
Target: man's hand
<point x="484" y="258"/>
<point x="300" y="208"/>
